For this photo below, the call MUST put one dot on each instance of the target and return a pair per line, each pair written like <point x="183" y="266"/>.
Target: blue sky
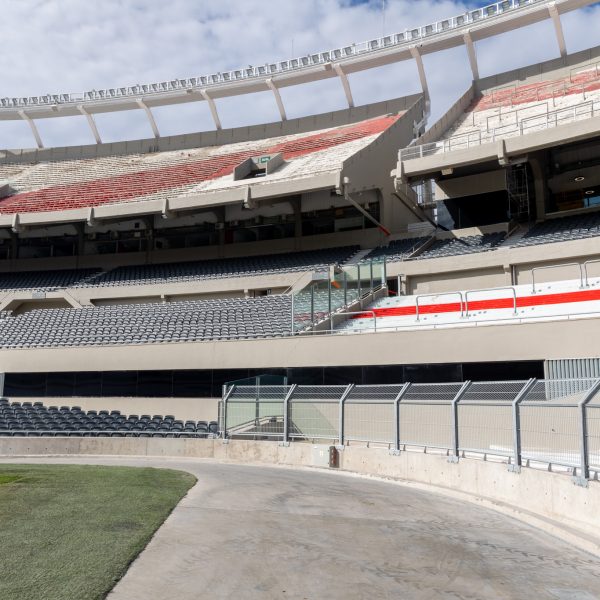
<point x="70" y="45"/>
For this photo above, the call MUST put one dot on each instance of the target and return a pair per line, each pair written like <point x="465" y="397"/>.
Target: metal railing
<point x="547" y="422"/>
<point x="165" y="88"/>
<point x="548" y="120"/>
<point x="421" y="296"/>
<point x="580" y="266"/>
<point x="506" y="288"/>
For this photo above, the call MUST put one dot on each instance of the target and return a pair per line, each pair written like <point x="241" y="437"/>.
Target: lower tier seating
<point x="193" y="320"/>
<point x="27" y="419"/>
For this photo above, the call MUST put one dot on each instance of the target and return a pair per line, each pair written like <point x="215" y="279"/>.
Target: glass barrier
<point x="334" y="291"/>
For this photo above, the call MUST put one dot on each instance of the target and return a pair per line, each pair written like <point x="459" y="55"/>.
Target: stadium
<point x="400" y="313"/>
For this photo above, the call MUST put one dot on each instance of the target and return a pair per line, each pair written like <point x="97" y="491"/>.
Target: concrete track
<point x="264" y="532"/>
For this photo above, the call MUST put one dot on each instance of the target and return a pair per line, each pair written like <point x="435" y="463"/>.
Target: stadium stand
<point x="462" y="245"/>
<point x="397" y="250"/>
<point x="36" y="419"/>
<point x="517" y="110"/>
<point x="84" y="183"/>
<point x="45" y="280"/>
<point x="193" y="320"/>
<point x="562" y="229"/>
<point x="218" y="268"/>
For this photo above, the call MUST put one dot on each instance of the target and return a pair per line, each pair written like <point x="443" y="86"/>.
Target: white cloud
<point x="69" y="45"/>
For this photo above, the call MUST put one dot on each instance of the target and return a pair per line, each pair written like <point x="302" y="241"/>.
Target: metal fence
<point x="547" y="421"/>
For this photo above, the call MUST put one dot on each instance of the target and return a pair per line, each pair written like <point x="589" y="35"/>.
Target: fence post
<point x="584" y="468"/>
<point x="226" y="394"/>
<point x="515" y="466"/>
<point x="397" y="400"/>
<point x="286" y="415"/>
<point x="293" y="327"/>
<point x="341" y="415"/>
<point x="465" y="386"/>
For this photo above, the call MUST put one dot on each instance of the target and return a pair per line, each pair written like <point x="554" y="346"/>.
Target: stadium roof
<point x="464" y="29"/>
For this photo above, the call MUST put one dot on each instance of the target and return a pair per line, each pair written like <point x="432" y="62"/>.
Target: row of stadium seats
<point x="552" y="230"/>
<point x="400" y="250"/>
<point x="178" y="272"/>
<point x="193" y="320"/>
<point x="39" y="420"/>
<point x="70" y="184"/>
<point x="227" y="267"/>
<point x="513" y="111"/>
<point x="463" y="245"/>
<point x="586" y="81"/>
<point x="564" y="229"/>
<point x="397" y="250"/>
<point x="45" y="280"/>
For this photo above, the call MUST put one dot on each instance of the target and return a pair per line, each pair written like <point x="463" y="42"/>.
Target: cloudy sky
<point x="51" y="46"/>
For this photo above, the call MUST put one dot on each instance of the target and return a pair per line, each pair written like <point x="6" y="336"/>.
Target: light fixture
<point x="590" y="192"/>
<point x="579" y="178"/>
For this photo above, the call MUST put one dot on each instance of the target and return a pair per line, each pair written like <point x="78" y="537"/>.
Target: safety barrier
<point x="553" y="421"/>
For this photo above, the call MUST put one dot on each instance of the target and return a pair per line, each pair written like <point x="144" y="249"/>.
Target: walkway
<point x="253" y="532"/>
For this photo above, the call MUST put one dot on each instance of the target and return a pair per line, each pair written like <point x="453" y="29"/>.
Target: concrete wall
<point x="537" y="340"/>
<point x="550" y="499"/>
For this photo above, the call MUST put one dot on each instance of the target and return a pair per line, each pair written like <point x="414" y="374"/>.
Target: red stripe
<point x="492" y="304"/>
<point x="128" y="186"/>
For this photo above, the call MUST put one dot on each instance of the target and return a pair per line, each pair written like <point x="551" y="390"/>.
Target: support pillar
<point x="560" y="36"/>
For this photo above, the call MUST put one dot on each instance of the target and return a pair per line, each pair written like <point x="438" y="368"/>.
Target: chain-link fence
<point x="555" y="422"/>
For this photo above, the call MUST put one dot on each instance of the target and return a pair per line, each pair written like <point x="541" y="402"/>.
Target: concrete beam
<point x="278" y="99"/>
<point x="345" y="84"/>
<point x="91" y="123"/>
<point x="213" y="108"/>
<point x="143" y="105"/>
<point x="472" y="54"/>
<point x="560" y="38"/>
<point x="414" y="51"/>
<point x="33" y="126"/>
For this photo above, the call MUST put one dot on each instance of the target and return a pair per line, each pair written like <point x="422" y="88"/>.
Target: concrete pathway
<point x="252" y="532"/>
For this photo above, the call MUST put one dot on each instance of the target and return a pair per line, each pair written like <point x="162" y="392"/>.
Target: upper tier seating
<point x="45" y="280"/>
<point x="193" y="320"/>
<point x="562" y="230"/>
<point x="219" y="268"/>
<point x="517" y="110"/>
<point x="397" y="250"/>
<point x="463" y="245"/>
<point x="70" y="184"/>
<point x="36" y="419"/>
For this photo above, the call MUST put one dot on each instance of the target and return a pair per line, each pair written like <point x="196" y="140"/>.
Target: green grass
<point x="70" y="532"/>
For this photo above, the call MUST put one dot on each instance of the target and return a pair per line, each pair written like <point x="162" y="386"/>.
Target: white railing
<point x="464" y="141"/>
<point x="405" y="38"/>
